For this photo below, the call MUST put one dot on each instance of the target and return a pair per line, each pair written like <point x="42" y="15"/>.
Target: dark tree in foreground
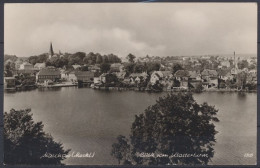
<point x="25" y="142"/>
<point x="120" y="150"/>
<point x="175" y="124"/>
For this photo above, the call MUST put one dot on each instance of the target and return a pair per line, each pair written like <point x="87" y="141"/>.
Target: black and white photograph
<point x="130" y="84"/>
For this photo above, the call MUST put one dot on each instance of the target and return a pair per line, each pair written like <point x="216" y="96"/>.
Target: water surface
<point x="87" y="120"/>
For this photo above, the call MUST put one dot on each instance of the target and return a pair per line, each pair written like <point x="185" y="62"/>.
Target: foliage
<point x="121" y="149"/>
<point x="26" y="142"/>
<point x="139" y="68"/>
<point x="79" y="58"/>
<point x="241" y="80"/>
<point x="111" y="79"/>
<point x="38" y="59"/>
<point x="104" y="67"/>
<point x="131" y="58"/>
<point x="251" y="86"/>
<point x="176" y="67"/>
<point x="242" y="64"/>
<point x="9" y="68"/>
<point x="129" y="68"/>
<point x="152" y="66"/>
<point x="198" y="88"/>
<point x="175" y="124"/>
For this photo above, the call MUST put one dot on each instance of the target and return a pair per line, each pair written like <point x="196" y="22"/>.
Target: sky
<point x="159" y="29"/>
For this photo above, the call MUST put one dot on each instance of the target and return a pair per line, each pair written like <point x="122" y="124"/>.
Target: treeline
<point x="139" y="67"/>
<point x="79" y="58"/>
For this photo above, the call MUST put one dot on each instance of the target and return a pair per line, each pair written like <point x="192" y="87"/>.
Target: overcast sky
<point x="140" y="28"/>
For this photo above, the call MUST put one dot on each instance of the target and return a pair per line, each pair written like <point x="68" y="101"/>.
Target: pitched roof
<point x="223" y="72"/>
<point x="209" y="72"/>
<point x="39" y="65"/>
<point x="76" y="66"/>
<point x="26" y="63"/>
<point x="49" y="71"/>
<point x="144" y="74"/>
<point x="182" y="73"/>
<point x="84" y="73"/>
<point x="166" y="73"/>
<point x="193" y="74"/>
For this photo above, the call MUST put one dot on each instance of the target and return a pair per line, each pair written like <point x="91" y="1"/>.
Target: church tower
<point x="51" y="53"/>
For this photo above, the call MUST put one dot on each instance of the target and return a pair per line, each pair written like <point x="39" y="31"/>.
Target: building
<point x="48" y="74"/>
<point x="76" y="67"/>
<point x="160" y="76"/>
<point x="116" y="67"/>
<point x="9" y="82"/>
<point x="39" y="66"/>
<point x="85" y="76"/>
<point x="52" y="55"/>
<point x="138" y="77"/>
<point x="26" y="66"/>
<point x="68" y="76"/>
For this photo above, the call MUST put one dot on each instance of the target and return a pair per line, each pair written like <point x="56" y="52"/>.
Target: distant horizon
<point x="226" y="54"/>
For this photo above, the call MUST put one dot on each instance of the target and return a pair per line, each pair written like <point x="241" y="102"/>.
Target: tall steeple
<point x="51" y="53"/>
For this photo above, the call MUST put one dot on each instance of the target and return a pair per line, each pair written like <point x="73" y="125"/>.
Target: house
<point x="120" y="75"/>
<point x="39" y="66"/>
<point x="208" y="73"/>
<point x="225" y="64"/>
<point x="9" y="82"/>
<point x="251" y="78"/>
<point x="94" y="68"/>
<point x="116" y="67"/>
<point x="85" y="76"/>
<point x="97" y="80"/>
<point x="194" y="76"/>
<point x="68" y="76"/>
<point x="48" y="74"/>
<point x="18" y="63"/>
<point x="183" y="77"/>
<point x="225" y="75"/>
<point x="76" y="67"/>
<point x="138" y="77"/>
<point x="210" y="78"/>
<point x="162" y="76"/>
<point x="25" y="72"/>
<point x="26" y="66"/>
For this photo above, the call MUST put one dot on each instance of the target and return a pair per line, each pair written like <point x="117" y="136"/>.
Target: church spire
<point x="51" y="53"/>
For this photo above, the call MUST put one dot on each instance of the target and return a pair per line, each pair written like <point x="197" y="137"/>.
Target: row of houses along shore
<point x="203" y="73"/>
<point x="229" y="78"/>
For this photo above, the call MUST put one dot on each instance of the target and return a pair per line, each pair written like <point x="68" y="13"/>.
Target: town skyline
<point x="161" y="29"/>
<point x="57" y="51"/>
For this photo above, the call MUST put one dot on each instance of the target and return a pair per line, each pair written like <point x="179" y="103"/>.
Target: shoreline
<point x="142" y="89"/>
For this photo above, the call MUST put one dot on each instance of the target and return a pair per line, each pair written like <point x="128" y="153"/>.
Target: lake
<point x="87" y="120"/>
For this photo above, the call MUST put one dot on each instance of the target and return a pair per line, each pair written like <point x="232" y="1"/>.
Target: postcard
<point x="130" y="84"/>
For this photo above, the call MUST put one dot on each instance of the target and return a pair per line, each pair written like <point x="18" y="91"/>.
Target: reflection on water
<point x="87" y="120"/>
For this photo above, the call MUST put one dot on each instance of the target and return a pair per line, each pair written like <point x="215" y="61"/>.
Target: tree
<point x="105" y="59"/>
<point x="242" y="64"/>
<point x="151" y="66"/>
<point x="99" y="59"/>
<point x="176" y="67"/>
<point x="129" y="68"/>
<point x="104" y="68"/>
<point x="26" y="142"/>
<point x="175" y="124"/>
<point x="121" y="149"/>
<point x="131" y="58"/>
<point x="241" y="80"/>
<point x="198" y="88"/>
<point x="139" y="68"/>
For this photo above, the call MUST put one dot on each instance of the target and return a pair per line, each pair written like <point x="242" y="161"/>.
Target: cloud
<point x="139" y="28"/>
